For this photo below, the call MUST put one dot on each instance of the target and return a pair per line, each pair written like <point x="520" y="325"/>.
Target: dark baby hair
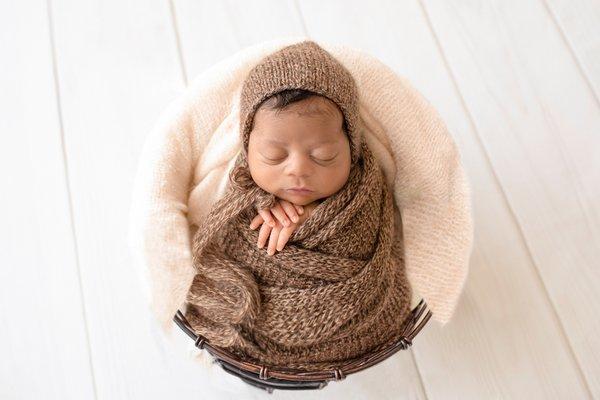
<point x="286" y="97"/>
<point x="282" y="99"/>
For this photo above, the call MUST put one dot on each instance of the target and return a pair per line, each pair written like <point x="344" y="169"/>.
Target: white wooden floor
<point x="517" y="82"/>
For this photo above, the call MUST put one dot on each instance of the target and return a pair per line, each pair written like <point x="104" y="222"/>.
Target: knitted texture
<point x="308" y="66"/>
<point x="335" y="292"/>
<point x="183" y="170"/>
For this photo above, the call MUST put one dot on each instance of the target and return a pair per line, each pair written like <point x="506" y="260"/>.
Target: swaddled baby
<point x="338" y="290"/>
<point x="299" y="151"/>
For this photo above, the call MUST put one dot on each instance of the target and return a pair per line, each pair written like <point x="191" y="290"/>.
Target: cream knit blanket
<point x="185" y="161"/>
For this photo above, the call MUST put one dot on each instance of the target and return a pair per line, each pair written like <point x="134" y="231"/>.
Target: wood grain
<point x="538" y="123"/>
<point x="43" y="339"/>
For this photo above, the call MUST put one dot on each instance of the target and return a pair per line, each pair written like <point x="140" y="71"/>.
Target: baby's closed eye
<point x="319" y="157"/>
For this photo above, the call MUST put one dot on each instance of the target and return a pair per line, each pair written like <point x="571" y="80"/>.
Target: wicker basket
<point x="269" y="379"/>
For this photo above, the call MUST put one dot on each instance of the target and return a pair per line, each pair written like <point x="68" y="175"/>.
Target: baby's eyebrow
<point x="322" y="141"/>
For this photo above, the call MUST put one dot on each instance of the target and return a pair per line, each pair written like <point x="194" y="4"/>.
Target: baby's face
<point x="304" y="146"/>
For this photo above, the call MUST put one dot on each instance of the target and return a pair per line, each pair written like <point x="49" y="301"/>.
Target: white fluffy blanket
<point x="185" y="161"/>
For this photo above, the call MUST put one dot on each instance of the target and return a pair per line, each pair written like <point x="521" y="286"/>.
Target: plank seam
<point x="68" y="188"/>
<point x="567" y="42"/>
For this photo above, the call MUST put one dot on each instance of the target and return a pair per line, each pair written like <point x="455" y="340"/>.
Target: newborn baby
<point x="298" y="150"/>
<point x="340" y="290"/>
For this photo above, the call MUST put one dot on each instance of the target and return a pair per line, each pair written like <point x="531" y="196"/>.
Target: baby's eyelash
<point x="314" y="158"/>
<point x="321" y="160"/>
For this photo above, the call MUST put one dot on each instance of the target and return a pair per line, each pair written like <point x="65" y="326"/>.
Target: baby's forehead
<point x="318" y="106"/>
<point x="310" y="120"/>
<point x="278" y="141"/>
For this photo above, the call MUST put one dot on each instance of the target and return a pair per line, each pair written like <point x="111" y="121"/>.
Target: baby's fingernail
<point x="260" y="246"/>
<point x="270" y="252"/>
<point x="272" y="224"/>
<point x="301" y="211"/>
<point x="295" y="219"/>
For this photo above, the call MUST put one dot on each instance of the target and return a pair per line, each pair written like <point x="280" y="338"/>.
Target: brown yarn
<point x="338" y="290"/>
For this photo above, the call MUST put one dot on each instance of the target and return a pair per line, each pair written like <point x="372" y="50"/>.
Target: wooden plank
<point x="504" y="341"/>
<point x="43" y="340"/>
<point x="241" y="24"/>
<point x="118" y="69"/>
<point x="579" y="22"/>
<point x="236" y="23"/>
<point x="539" y="123"/>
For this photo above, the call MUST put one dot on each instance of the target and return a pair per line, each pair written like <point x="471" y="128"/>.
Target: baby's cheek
<point x="335" y="181"/>
<point x="263" y="176"/>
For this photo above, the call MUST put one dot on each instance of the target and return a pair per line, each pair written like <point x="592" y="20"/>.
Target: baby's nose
<point x="299" y="166"/>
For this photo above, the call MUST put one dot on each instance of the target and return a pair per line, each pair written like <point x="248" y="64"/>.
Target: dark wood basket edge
<point x="412" y="327"/>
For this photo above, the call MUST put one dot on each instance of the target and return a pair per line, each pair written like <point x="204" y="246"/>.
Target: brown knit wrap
<point x="338" y="290"/>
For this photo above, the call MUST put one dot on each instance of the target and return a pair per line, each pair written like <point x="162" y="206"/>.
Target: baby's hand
<point x="284" y="211"/>
<point x="279" y="229"/>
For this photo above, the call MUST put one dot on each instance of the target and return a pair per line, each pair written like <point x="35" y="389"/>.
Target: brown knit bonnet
<point x="303" y="65"/>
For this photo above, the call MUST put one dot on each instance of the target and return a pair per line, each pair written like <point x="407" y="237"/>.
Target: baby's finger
<point x="300" y="209"/>
<point x="273" y="240"/>
<point x="290" y="210"/>
<point x="284" y="236"/>
<point x="278" y="212"/>
<point x="266" y="214"/>
<point x="256" y="222"/>
<point x="263" y="234"/>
